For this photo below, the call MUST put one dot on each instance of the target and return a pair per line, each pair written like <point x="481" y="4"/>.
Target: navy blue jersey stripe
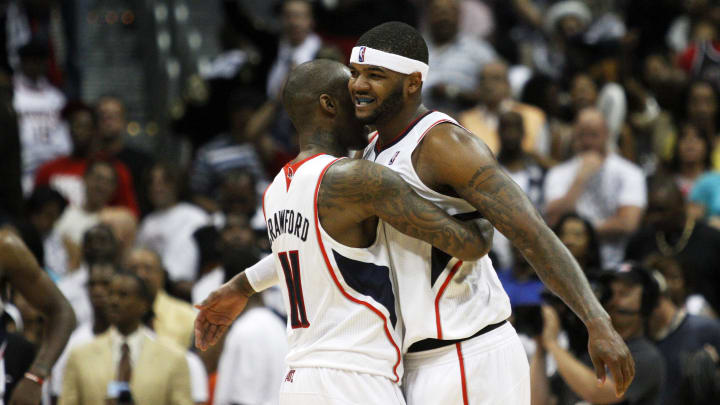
<point x="369" y="279"/>
<point x="439" y="259"/>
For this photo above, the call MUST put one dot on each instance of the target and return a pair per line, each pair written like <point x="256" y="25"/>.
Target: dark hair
<point x="144" y="293"/>
<point x="76" y="106"/>
<point x="398" y="38"/>
<point x="634" y="274"/>
<point x="674" y="163"/>
<point x="688" y="92"/>
<point x="174" y="175"/>
<point x="97" y="162"/>
<point x="42" y="196"/>
<point x="594" y="262"/>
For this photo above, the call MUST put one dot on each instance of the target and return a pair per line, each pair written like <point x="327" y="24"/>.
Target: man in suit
<point x="128" y="357"/>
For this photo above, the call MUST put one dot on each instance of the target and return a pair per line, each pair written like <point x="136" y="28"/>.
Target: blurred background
<point x="139" y="135"/>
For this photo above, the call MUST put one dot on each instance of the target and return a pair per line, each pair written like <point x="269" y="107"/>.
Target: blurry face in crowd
<point x="444" y="18"/>
<point x="583" y="92"/>
<point x="111" y="118"/>
<point x="237" y="195"/>
<point x="237" y="244"/>
<point x="570" y="25"/>
<point x="100" y="185"/>
<point x="99" y="245"/>
<point x="45" y="218"/>
<point x="161" y="190"/>
<point x="574" y="236"/>
<point x="297" y="20"/>
<point x="590" y="132"/>
<point x="702" y="104"/>
<point x="624" y="306"/>
<point x="34" y="67"/>
<point x="691" y="146"/>
<point x="99" y="285"/>
<point x="511" y="132"/>
<point x="377" y="93"/>
<point x="665" y="209"/>
<point x="673" y="274"/>
<point x="494" y="83"/>
<point x="147" y="265"/>
<point x="704" y="30"/>
<point x="82" y="130"/>
<point x="656" y="70"/>
<point x="126" y="306"/>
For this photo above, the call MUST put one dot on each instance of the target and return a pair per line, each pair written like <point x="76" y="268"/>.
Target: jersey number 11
<point x="290" y="263"/>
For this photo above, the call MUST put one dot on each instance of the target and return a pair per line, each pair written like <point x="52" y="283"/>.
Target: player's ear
<point x="328" y="104"/>
<point x="413" y="83"/>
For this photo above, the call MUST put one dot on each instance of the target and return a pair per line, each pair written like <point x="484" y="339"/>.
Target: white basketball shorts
<point x="326" y="386"/>
<point x="490" y="369"/>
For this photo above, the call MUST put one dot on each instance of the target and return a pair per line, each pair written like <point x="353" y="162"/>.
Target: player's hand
<point x="607" y="349"/>
<point x="217" y="313"/>
<point x="26" y="393"/>
<point x="485" y="231"/>
<point x="591" y="163"/>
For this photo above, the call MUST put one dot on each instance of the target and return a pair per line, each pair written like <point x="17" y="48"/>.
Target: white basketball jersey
<point x="340" y="300"/>
<point x="440" y="297"/>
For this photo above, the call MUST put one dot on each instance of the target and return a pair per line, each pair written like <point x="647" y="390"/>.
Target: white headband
<point x="364" y="55"/>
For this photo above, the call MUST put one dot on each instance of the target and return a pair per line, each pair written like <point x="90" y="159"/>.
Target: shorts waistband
<point x="430" y="344"/>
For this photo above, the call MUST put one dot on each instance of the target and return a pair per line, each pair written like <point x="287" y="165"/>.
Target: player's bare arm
<point x="354" y="191"/>
<point x="25" y="276"/>
<point x="452" y="160"/>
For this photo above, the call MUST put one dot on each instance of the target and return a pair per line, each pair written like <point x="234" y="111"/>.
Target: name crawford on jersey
<point x="287" y="221"/>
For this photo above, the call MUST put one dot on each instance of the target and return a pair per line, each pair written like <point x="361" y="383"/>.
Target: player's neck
<point x="389" y="130"/>
<point x="319" y="141"/>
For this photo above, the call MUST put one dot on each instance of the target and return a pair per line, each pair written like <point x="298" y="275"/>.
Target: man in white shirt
<point x="599" y="185"/>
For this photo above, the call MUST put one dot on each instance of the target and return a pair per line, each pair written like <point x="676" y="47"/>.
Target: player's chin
<point x="366" y="116"/>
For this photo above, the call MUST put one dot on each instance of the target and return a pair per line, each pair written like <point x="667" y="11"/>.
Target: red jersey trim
<point x="337" y="282"/>
<point x="440" y="294"/>
<point x="463" y="380"/>
<point x="291" y="168"/>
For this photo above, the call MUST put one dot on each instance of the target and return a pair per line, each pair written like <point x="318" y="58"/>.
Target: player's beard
<point x="388" y="109"/>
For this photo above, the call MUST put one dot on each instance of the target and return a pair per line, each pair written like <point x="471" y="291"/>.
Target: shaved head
<point x="305" y="85"/>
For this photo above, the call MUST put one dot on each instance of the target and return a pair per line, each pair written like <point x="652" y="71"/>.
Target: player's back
<point x="441" y="297"/>
<point x="340" y="300"/>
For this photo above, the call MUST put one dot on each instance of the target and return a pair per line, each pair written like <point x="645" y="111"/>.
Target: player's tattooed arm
<point x="452" y="157"/>
<point x="361" y="189"/>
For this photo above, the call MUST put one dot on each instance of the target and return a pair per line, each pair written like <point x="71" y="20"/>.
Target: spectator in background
<point x="700" y="383"/>
<point x="127" y="354"/>
<point x="97" y="289"/>
<point x="669" y="231"/>
<point x="112" y="130"/>
<point x="238" y="149"/>
<point x="168" y="229"/>
<point x="691" y="157"/>
<point x="702" y="110"/>
<point x="99" y="247"/>
<point x="633" y="294"/>
<point x="100" y="181"/>
<point x="677" y="335"/>
<point x="705" y="198"/>
<point x="457" y="58"/>
<point x="578" y="235"/>
<point x="38" y="105"/>
<point x="65" y="174"/>
<point x="600" y="186"/>
<point x="11" y="204"/>
<point x="44" y="207"/>
<point x="124" y="225"/>
<point x="524" y="168"/>
<point x="677" y="288"/>
<point x="173" y="318"/>
<point x="494" y="88"/>
<point x="236" y="196"/>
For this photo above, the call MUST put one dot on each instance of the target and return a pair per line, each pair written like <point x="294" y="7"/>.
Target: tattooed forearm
<point x="500" y="200"/>
<point x="384" y="194"/>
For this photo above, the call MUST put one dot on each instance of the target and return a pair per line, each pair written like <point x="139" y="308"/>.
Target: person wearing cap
<point x="630" y="295"/>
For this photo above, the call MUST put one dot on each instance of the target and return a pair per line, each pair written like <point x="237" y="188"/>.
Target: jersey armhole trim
<point x="337" y="282"/>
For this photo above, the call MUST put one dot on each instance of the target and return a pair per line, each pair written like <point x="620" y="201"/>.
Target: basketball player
<point x="327" y="245"/>
<point x="459" y="347"/>
<point x="20" y="270"/>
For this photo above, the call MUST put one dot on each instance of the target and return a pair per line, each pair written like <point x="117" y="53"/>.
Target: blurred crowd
<point x="605" y="112"/>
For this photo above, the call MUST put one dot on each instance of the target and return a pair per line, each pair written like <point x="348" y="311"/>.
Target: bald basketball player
<point x="20" y="270"/>
<point x="324" y="217"/>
